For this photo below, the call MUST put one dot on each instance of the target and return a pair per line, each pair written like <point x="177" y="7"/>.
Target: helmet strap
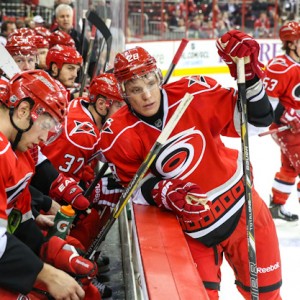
<point x="19" y="130"/>
<point x="103" y="117"/>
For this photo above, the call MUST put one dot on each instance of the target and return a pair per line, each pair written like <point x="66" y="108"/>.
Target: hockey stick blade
<point x="102" y="27"/>
<point x="99" y="24"/>
<point x="134" y="183"/>
<point x="98" y="67"/>
<point x="7" y="63"/>
<point x="88" y="59"/>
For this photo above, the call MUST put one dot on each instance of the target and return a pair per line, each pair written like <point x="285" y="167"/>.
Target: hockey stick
<point x="175" y="60"/>
<point x="101" y="46"/>
<point x="247" y="179"/>
<point x="83" y="30"/>
<point x="95" y="20"/>
<point x="7" y="63"/>
<point x="88" y="59"/>
<point x="134" y="183"/>
<point x="275" y="130"/>
<point x="99" y="175"/>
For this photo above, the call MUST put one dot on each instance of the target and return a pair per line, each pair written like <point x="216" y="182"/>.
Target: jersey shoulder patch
<point x="280" y="65"/>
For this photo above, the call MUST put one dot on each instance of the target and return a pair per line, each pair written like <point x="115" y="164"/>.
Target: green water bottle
<point x="62" y="222"/>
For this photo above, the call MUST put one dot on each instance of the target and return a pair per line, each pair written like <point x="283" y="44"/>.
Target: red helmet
<point x="39" y="41"/>
<point x="24" y="31"/>
<point x="63" y="55"/>
<point x="42" y="89"/>
<point x="133" y="62"/>
<point x="19" y="45"/>
<point x="42" y="31"/>
<point x="106" y="85"/>
<point x="59" y="37"/>
<point x="290" y="32"/>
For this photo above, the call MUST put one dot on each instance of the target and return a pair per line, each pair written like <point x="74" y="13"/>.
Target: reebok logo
<point x="271" y="268"/>
<point x="80" y="262"/>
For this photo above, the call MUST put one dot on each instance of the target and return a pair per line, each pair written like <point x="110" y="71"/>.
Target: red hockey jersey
<point x="194" y="151"/>
<point x="78" y="142"/>
<point x="282" y="82"/>
<point x="16" y="172"/>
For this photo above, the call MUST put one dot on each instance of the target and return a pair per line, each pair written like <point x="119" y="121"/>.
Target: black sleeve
<point x="260" y="111"/>
<point x="278" y="113"/>
<point x="39" y="201"/>
<point x="147" y="187"/>
<point x="31" y="235"/>
<point x="45" y="174"/>
<point x="19" y="266"/>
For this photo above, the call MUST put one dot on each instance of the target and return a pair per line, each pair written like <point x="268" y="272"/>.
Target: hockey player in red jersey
<point x="63" y="64"/>
<point x="194" y="162"/>
<point x="32" y="105"/>
<point x="283" y="88"/>
<point x="81" y="128"/>
<point x="79" y="143"/>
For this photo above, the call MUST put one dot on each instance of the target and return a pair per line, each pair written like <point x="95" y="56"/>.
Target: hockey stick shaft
<point x="99" y="175"/>
<point x="275" y="130"/>
<point x="88" y="59"/>
<point x="247" y="180"/>
<point x="134" y="183"/>
<point x="175" y="60"/>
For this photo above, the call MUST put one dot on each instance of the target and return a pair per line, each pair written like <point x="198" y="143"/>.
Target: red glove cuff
<point x="67" y="189"/>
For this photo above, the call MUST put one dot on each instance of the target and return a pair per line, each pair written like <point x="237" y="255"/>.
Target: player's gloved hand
<point x="67" y="189"/>
<point x="107" y="192"/>
<point x="186" y="199"/>
<point x="87" y="174"/>
<point x="291" y="118"/>
<point x="65" y="257"/>
<point x="236" y="44"/>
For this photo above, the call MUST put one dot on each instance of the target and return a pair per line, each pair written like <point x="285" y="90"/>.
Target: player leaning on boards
<point x="283" y="88"/>
<point x="195" y="175"/>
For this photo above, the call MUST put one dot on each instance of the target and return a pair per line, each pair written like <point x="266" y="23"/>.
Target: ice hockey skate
<point x="279" y="212"/>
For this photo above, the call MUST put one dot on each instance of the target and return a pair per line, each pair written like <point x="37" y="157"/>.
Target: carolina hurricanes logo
<point x="107" y="125"/>
<point x="83" y="127"/>
<point x="278" y="61"/>
<point x="296" y="92"/>
<point x="180" y="155"/>
<point x="197" y="80"/>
